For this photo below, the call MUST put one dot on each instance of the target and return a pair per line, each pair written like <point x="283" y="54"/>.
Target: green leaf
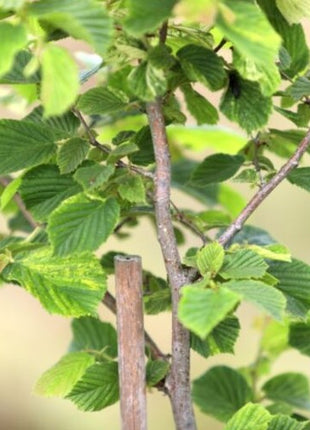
<point x="283" y="422"/>
<point x="266" y="297"/>
<point x="157" y="301"/>
<point x="222" y="338"/>
<point x="13" y="39"/>
<point x="59" y="380"/>
<point x="231" y="200"/>
<point x="244" y="24"/>
<point x="43" y="188"/>
<point x="237" y="104"/>
<point x="210" y="258"/>
<point x="9" y="192"/>
<point x="299" y="337"/>
<point x="300" y="88"/>
<point x="144" y="17"/>
<point x="156" y="371"/>
<point x="201" y="109"/>
<point x="147" y="82"/>
<point x="268" y="76"/>
<point x="251" y="417"/>
<point x="218" y="138"/>
<point x="181" y="172"/>
<point x="123" y="150"/>
<point x="291" y="388"/>
<point x="138" y="84"/>
<point x="5" y="259"/>
<point x="300" y="177"/>
<point x="220" y="392"/>
<point x="293" y="38"/>
<point x="71" y="154"/>
<point x="97" y="389"/>
<point x="133" y="189"/>
<point x="71" y="286"/>
<point x="82" y="19"/>
<point x="160" y="57"/>
<point x="156" y="80"/>
<point x="215" y="218"/>
<point x="122" y="137"/>
<point x="294" y="281"/>
<point x="94" y="176"/>
<point x="275" y="251"/>
<point x="64" y="126"/>
<point x="92" y="334"/>
<point x="294" y="10"/>
<point x="243" y="263"/>
<point x="300" y="118"/>
<point x="172" y="110"/>
<point x="60" y="81"/>
<point x="143" y="140"/>
<point x="200" y="310"/>
<point x="279" y="408"/>
<point x="283" y="142"/>
<point x="275" y="338"/>
<point x="252" y="235"/>
<point x="11" y="4"/>
<point x="101" y="100"/>
<point x="81" y="224"/>
<point x="202" y="65"/>
<point x="24" y="144"/>
<point x="216" y="168"/>
<point x="16" y="73"/>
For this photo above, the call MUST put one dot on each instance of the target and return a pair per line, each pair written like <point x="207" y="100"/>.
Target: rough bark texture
<point x="128" y="279"/>
<point x="178" y="381"/>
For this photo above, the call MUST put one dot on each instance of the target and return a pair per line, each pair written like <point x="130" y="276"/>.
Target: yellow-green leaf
<point x="71" y="286"/>
<point x="59" y="380"/>
<point x="294" y="10"/>
<point x="60" y="82"/>
<point x="13" y="39"/>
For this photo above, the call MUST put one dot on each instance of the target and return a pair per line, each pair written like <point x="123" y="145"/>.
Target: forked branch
<point x="178" y="382"/>
<point x="265" y="190"/>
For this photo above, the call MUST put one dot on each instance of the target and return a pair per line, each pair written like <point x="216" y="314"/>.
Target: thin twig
<point x="178" y="381"/>
<point x="183" y="219"/>
<point x="121" y="224"/>
<point x="264" y="191"/>
<point x="163" y="32"/>
<point x="94" y="142"/>
<point x="21" y="206"/>
<point x="220" y="45"/>
<point x="156" y="354"/>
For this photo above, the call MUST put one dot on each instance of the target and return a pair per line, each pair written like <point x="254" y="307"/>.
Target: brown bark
<point x="131" y="362"/>
<point x="178" y="381"/>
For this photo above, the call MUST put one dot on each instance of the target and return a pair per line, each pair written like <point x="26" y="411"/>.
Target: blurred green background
<point x="32" y="341"/>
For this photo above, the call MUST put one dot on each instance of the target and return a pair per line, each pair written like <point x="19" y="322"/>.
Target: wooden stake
<point x="131" y="362"/>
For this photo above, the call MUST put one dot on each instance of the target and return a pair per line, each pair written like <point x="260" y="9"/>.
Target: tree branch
<point x="178" y="382"/>
<point x="220" y="45"/>
<point x="163" y="32"/>
<point x="21" y="206"/>
<point x="184" y="220"/>
<point x="94" y="142"/>
<point x="265" y="190"/>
